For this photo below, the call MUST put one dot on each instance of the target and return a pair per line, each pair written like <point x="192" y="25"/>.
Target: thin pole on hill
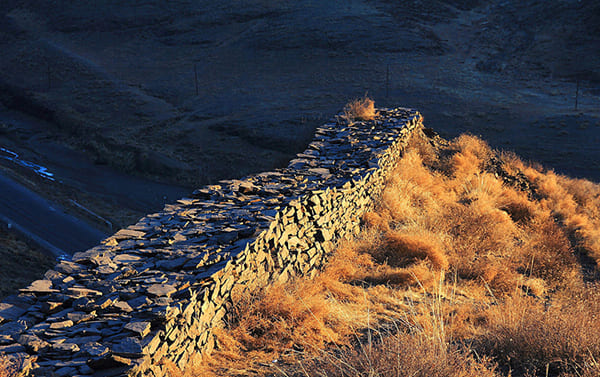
<point x="49" y="74"/>
<point x="387" y="81"/>
<point x="196" y="77"/>
<point x="577" y="94"/>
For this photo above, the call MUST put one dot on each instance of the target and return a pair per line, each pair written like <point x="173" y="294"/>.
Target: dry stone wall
<point x="156" y="289"/>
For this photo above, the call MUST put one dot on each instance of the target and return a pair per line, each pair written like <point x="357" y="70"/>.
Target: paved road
<point x="44" y="222"/>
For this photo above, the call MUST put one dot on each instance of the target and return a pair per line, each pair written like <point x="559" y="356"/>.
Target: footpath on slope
<point x="156" y="289"/>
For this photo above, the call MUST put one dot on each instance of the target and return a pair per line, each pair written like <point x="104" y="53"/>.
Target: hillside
<point x="192" y="92"/>
<point x="473" y="264"/>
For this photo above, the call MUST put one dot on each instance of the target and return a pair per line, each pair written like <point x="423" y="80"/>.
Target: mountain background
<point x="116" y="96"/>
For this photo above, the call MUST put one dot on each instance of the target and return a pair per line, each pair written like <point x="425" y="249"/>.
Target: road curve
<point x="44" y="222"/>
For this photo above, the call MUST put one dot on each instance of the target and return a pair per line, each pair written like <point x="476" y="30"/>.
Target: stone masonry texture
<point x="156" y="289"/>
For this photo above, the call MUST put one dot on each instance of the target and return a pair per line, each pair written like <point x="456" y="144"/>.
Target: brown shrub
<point x="424" y="147"/>
<point x="525" y="336"/>
<point x="401" y="250"/>
<point x="360" y="109"/>
<point x="401" y="354"/>
<point x="377" y="221"/>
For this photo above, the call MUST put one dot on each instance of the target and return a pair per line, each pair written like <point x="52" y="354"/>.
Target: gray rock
<point x="161" y="290"/>
<point x="9" y="312"/>
<point x="138" y="327"/>
<point x="61" y="324"/>
<point x="13" y="329"/>
<point x="66" y="371"/>
<point x="108" y="361"/>
<point x="32" y="343"/>
<point x="95" y="349"/>
<point x="40" y="286"/>
<point x="129" y="347"/>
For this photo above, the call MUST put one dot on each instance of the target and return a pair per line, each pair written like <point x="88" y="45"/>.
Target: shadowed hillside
<point x="191" y="92"/>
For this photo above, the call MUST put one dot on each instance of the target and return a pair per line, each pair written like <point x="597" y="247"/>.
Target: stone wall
<point x="156" y="289"/>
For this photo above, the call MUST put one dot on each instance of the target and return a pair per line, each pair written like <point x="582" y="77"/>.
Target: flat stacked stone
<point x="156" y="289"/>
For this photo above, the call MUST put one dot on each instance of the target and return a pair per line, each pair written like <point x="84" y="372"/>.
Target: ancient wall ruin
<point x="156" y="289"/>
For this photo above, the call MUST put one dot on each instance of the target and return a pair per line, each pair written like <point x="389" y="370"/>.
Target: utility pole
<point x="196" y="78"/>
<point x="577" y="94"/>
<point x="49" y="74"/>
<point x="387" y="81"/>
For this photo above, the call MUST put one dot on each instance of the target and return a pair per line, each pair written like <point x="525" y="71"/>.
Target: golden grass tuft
<point x="360" y="109"/>
<point x="401" y="249"/>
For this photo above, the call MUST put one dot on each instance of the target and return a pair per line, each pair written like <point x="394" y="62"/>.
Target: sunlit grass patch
<point x="360" y="109"/>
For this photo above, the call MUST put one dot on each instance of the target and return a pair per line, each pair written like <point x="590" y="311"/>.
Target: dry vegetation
<point x="474" y="264"/>
<point x="360" y="109"/>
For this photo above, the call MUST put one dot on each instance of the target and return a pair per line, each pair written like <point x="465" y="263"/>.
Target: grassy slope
<point x="117" y="81"/>
<point x="474" y="264"/>
<point x="21" y="263"/>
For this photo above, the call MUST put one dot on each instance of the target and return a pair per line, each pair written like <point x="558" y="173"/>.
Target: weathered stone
<point x="61" y="324"/>
<point x="138" y="327"/>
<point x="5" y="339"/>
<point x="153" y="343"/>
<point x="65" y="347"/>
<point x="108" y="361"/>
<point x="138" y="302"/>
<point x="126" y="258"/>
<point x="94" y="349"/>
<point x="32" y="343"/>
<point x="9" y="312"/>
<point x="68" y="268"/>
<point x="78" y="317"/>
<point x="77" y="292"/>
<point x="13" y="329"/>
<point x="129" y="347"/>
<point x="104" y="302"/>
<point x="161" y="290"/>
<point x="65" y="371"/>
<point x="40" y="286"/>
<point x="172" y="264"/>
<point x="11" y="348"/>
<point x="126" y="233"/>
<point x="51" y="306"/>
<point x="21" y="362"/>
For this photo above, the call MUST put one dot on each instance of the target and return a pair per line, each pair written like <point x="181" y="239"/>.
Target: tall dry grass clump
<point x="530" y="337"/>
<point x="360" y="109"/>
<point x="473" y="264"/>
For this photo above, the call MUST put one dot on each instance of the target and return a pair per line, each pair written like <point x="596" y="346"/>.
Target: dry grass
<point x="461" y="271"/>
<point x="6" y="370"/>
<point x="360" y="109"/>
